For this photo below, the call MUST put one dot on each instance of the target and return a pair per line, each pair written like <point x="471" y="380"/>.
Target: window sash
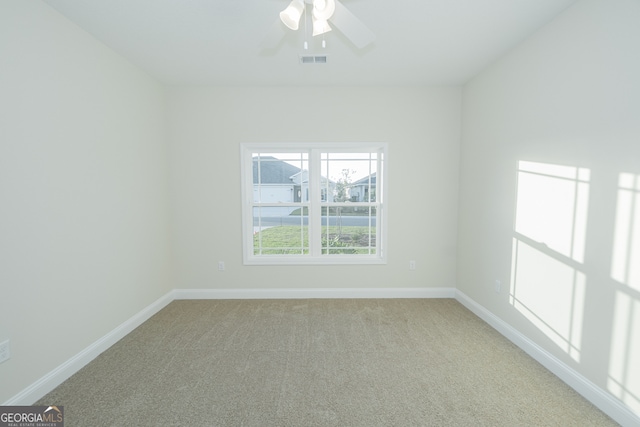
<point x="318" y="223"/>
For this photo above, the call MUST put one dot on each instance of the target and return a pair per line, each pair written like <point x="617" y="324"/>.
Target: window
<point x="313" y="203"/>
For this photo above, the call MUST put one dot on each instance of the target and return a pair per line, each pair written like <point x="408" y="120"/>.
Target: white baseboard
<point x="594" y="394"/>
<point x="328" y="293"/>
<point x="56" y="377"/>
<point x="600" y="398"/>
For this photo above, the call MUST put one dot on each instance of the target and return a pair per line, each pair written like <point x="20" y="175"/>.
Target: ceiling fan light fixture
<point x="320" y="26"/>
<point x="323" y="9"/>
<point x="291" y="15"/>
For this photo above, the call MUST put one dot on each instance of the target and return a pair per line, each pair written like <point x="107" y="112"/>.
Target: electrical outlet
<point x="412" y="265"/>
<point x="220" y="265"/>
<point x="497" y="286"/>
<point x="5" y="351"/>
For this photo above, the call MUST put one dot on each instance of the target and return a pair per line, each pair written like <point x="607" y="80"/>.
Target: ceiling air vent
<point x="313" y="59"/>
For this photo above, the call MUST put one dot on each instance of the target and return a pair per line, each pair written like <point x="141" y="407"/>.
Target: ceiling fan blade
<point x="274" y="36"/>
<point x="351" y="26"/>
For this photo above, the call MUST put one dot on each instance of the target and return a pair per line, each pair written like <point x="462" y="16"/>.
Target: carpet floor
<point x="396" y="362"/>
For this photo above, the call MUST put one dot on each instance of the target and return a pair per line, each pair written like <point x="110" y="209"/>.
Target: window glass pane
<point x="364" y="190"/>
<point x="313" y="203"/>
<point x="278" y="234"/>
<point x="280" y="177"/>
<point x="351" y="176"/>
<point x="348" y="230"/>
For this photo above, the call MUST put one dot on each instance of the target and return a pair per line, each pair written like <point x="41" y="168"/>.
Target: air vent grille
<point x="313" y="59"/>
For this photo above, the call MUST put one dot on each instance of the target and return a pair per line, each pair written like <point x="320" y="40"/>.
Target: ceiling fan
<point x="322" y="12"/>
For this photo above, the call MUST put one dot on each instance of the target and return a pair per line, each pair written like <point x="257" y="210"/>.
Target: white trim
<point x="60" y="374"/>
<point x="348" y="259"/>
<point x="314" y="204"/>
<point x="312" y="293"/>
<point x="594" y="394"/>
<point x="599" y="397"/>
<point x="314" y="210"/>
<point x="57" y="376"/>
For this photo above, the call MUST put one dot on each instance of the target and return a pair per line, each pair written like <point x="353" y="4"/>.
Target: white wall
<point x="83" y="194"/>
<point x="422" y="128"/>
<point x="84" y="211"/>
<point x="570" y="95"/>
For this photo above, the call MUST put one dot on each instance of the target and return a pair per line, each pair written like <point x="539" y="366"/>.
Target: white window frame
<point x="315" y="204"/>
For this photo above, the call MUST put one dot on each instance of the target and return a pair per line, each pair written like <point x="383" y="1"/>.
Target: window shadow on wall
<point x="623" y="379"/>
<point x="547" y="273"/>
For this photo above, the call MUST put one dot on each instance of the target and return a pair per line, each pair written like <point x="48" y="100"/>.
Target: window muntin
<point x="340" y="238"/>
<point x="313" y="203"/>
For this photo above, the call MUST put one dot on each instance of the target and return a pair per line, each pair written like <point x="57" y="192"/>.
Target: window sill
<point x="306" y="260"/>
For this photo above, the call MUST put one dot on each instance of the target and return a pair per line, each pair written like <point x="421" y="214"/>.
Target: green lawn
<point x="295" y="240"/>
<point x="345" y="211"/>
<point x="282" y="240"/>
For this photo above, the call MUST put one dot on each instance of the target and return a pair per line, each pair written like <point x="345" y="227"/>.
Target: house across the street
<point x="276" y="181"/>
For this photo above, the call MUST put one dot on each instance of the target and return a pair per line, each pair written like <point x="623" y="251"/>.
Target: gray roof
<point x="273" y="171"/>
<point x="365" y="180"/>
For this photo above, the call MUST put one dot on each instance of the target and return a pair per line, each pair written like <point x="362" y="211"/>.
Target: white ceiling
<point x="217" y="42"/>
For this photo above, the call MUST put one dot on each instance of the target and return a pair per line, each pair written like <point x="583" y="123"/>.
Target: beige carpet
<point x="318" y="363"/>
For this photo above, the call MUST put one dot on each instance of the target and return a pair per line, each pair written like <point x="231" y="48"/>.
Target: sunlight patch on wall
<point x="547" y="286"/>
<point x="624" y="368"/>
<point x="624" y="365"/>
<point x="552" y="206"/>
<point x="550" y="294"/>
<point x="625" y="263"/>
